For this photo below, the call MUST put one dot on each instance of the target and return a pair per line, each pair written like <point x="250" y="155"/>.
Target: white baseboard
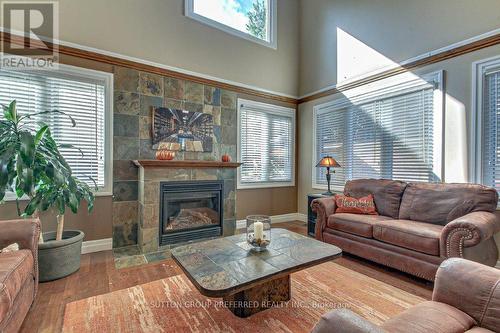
<point x="241" y="224"/>
<point x="107" y="243"/>
<point x="302" y="217"/>
<point x="97" y="245"/>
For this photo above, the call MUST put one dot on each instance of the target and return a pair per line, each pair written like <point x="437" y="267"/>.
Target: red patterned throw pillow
<point x="364" y="205"/>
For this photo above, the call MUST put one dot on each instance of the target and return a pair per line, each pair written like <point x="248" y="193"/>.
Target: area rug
<point x="174" y="305"/>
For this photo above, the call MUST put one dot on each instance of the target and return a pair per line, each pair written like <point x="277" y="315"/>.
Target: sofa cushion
<point x="436" y="203"/>
<point x="15" y="267"/>
<point x="418" y="236"/>
<point x="430" y="317"/>
<point x="361" y="225"/>
<point x="387" y="193"/>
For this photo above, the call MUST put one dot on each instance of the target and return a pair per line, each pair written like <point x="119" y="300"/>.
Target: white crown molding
<point x="241" y="224"/>
<point x="155" y="64"/>
<point x="98" y="245"/>
<point x="405" y="62"/>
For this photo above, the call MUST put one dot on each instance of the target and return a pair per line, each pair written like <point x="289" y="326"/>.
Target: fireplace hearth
<point x="190" y="210"/>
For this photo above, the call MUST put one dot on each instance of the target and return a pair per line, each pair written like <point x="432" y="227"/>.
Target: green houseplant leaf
<point x="32" y="165"/>
<point x="9" y="111"/>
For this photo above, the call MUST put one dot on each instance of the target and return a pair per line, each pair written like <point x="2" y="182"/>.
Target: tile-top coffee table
<point x="250" y="281"/>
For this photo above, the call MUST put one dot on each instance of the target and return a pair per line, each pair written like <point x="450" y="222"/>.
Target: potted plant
<point x="32" y="167"/>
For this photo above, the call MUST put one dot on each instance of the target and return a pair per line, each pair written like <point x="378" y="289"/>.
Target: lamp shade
<point x="328" y="161"/>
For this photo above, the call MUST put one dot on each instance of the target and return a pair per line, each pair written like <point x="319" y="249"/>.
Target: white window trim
<point x="269" y="108"/>
<point x="372" y="93"/>
<point x="71" y="72"/>
<point x="272" y="24"/>
<point x="479" y="69"/>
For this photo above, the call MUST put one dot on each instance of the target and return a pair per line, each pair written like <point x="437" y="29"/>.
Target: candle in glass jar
<point x="258" y="230"/>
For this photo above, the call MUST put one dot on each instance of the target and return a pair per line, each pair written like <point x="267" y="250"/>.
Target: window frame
<point x="73" y="72"/>
<point x="380" y="90"/>
<point x="267" y="108"/>
<point x="272" y="25"/>
<point x="480" y="68"/>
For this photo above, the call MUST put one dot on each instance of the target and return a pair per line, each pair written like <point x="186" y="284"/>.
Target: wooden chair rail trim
<point x="448" y="54"/>
<point x="90" y="55"/>
<point x="116" y="61"/>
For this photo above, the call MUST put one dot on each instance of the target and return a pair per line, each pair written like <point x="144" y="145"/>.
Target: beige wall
<point x="458" y="89"/>
<point x="157" y="30"/>
<point x="397" y="29"/>
<point x="272" y="201"/>
<point x="96" y="225"/>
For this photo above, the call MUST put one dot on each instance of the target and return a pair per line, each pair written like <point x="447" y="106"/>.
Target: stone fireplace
<point x="190" y="210"/>
<point x="181" y="201"/>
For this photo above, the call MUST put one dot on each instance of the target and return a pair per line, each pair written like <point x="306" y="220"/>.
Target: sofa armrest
<point x="467" y="231"/>
<point x="25" y="233"/>
<point x="470" y="287"/>
<point x="344" y="321"/>
<point x="323" y="207"/>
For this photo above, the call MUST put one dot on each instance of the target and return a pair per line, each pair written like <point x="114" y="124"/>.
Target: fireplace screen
<point x="190" y="210"/>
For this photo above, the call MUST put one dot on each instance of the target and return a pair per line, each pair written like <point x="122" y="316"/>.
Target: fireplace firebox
<point x="190" y="210"/>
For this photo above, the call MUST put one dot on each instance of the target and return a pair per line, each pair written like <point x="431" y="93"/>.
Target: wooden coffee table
<point x="250" y="281"/>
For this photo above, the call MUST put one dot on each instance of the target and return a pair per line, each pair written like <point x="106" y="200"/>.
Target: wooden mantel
<point x="184" y="164"/>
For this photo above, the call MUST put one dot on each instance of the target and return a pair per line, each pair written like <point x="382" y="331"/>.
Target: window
<point x="266" y="136"/>
<point x="83" y="94"/>
<point x="254" y="20"/>
<point x="486" y="123"/>
<point x="392" y="132"/>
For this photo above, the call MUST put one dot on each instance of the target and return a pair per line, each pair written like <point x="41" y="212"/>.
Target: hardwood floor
<point x="98" y="275"/>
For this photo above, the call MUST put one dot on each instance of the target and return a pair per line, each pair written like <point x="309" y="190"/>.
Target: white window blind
<point x="490" y="130"/>
<point x="82" y="97"/>
<point x="390" y="134"/>
<point x="266" y="145"/>
<point x="331" y="129"/>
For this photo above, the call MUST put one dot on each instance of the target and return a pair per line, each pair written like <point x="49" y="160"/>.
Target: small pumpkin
<point x="164" y="155"/>
<point x="226" y="158"/>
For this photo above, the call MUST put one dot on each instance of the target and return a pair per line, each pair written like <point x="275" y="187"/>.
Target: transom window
<point x="392" y="132"/>
<point x="85" y="96"/>
<point x="266" y="145"/>
<point x="254" y="20"/>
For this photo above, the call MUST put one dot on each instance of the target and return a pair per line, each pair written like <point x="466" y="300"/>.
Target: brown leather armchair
<point x="466" y="298"/>
<point x="18" y="272"/>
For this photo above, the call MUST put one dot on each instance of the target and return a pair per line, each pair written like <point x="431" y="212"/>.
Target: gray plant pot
<point x="57" y="259"/>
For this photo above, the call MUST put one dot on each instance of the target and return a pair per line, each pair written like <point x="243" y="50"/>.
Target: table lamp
<point x="328" y="162"/>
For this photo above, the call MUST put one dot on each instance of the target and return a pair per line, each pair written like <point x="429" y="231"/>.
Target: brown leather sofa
<point x="18" y="272"/>
<point x="419" y="226"/>
<point x="466" y="298"/>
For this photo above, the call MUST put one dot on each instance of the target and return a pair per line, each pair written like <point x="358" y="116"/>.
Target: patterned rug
<point x="174" y="305"/>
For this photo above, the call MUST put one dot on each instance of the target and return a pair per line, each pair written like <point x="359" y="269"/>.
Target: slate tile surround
<point x="149" y="199"/>
<point x="135" y="93"/>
